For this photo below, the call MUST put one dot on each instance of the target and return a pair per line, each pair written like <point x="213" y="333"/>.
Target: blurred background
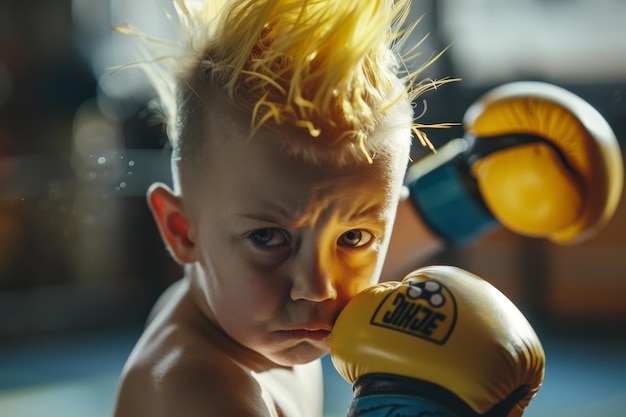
<point x="81" y="262"/>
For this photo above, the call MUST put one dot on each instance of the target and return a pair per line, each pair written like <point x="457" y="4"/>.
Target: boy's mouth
<point x="308" y="333"/>
<point x="319" y="335"/>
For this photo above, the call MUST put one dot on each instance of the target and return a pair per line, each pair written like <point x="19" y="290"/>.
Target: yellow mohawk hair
<point x="329" y="66"/>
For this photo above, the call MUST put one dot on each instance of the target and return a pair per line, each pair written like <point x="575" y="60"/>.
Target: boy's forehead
<point x="254" y="178"/>
<point x="270" y="151"/>
<point x="227" y="121"/>
<point x="248" y="172"/>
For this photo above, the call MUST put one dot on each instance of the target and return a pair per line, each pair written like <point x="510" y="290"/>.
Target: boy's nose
<point x="313" y="278"/>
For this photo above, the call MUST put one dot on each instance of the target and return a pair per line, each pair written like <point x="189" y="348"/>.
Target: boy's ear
<point x="167" y="210"/>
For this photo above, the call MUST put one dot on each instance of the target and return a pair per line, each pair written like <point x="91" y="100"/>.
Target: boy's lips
<point x="316" y="333"/>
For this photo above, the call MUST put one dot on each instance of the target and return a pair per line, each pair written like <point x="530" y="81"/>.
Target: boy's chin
<point x="300" y="354"/>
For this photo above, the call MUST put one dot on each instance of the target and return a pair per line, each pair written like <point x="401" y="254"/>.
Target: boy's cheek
<point x="360" y="274"/>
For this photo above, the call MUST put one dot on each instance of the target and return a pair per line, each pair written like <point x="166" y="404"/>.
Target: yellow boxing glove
<point x="441" y="342"/>
<point x="536" y="159"/>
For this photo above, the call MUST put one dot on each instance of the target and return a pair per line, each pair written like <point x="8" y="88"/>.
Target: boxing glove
<point x="441" y="342"/>
<point x="535" y="158"/>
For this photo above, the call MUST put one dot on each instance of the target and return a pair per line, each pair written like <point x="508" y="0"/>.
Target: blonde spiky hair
<point x="331" y="67"/>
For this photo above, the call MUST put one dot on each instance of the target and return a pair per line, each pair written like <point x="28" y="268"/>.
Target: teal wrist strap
<point x="450" y="204"/>
<point x="386" y="395"/>
<point x="396" y="405"/>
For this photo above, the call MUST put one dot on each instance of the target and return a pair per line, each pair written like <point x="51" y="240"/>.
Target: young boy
<point x="290" y="124"/>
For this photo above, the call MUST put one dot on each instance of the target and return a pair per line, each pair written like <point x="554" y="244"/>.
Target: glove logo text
<point x="423" y="309"/>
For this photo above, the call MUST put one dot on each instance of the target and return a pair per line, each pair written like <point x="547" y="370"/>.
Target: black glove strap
<point x="479" y="147"/>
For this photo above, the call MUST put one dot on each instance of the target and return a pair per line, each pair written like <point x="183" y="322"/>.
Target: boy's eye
<point x="269" y="237"/>
<point x="355" y="238"/>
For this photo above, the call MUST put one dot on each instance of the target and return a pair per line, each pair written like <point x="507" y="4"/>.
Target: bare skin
<point x="273" y="249"/>
<point x="184" y="365"/>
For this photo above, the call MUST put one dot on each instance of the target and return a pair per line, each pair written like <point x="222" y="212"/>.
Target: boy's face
<point x="282" y="246"/>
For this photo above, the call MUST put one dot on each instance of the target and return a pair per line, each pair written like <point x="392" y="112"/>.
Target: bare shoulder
<point x="176" y="369"/>
<point x="181" y="384"/>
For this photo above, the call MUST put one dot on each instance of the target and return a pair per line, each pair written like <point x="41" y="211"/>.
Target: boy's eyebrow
<point x="273" y="213"/>
<point x="295" y="215"/>
<point x="369" y="210"/>
<point x="269" y="211"/>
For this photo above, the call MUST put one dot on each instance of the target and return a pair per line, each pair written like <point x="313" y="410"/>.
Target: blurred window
<point x="566" y="40"/>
